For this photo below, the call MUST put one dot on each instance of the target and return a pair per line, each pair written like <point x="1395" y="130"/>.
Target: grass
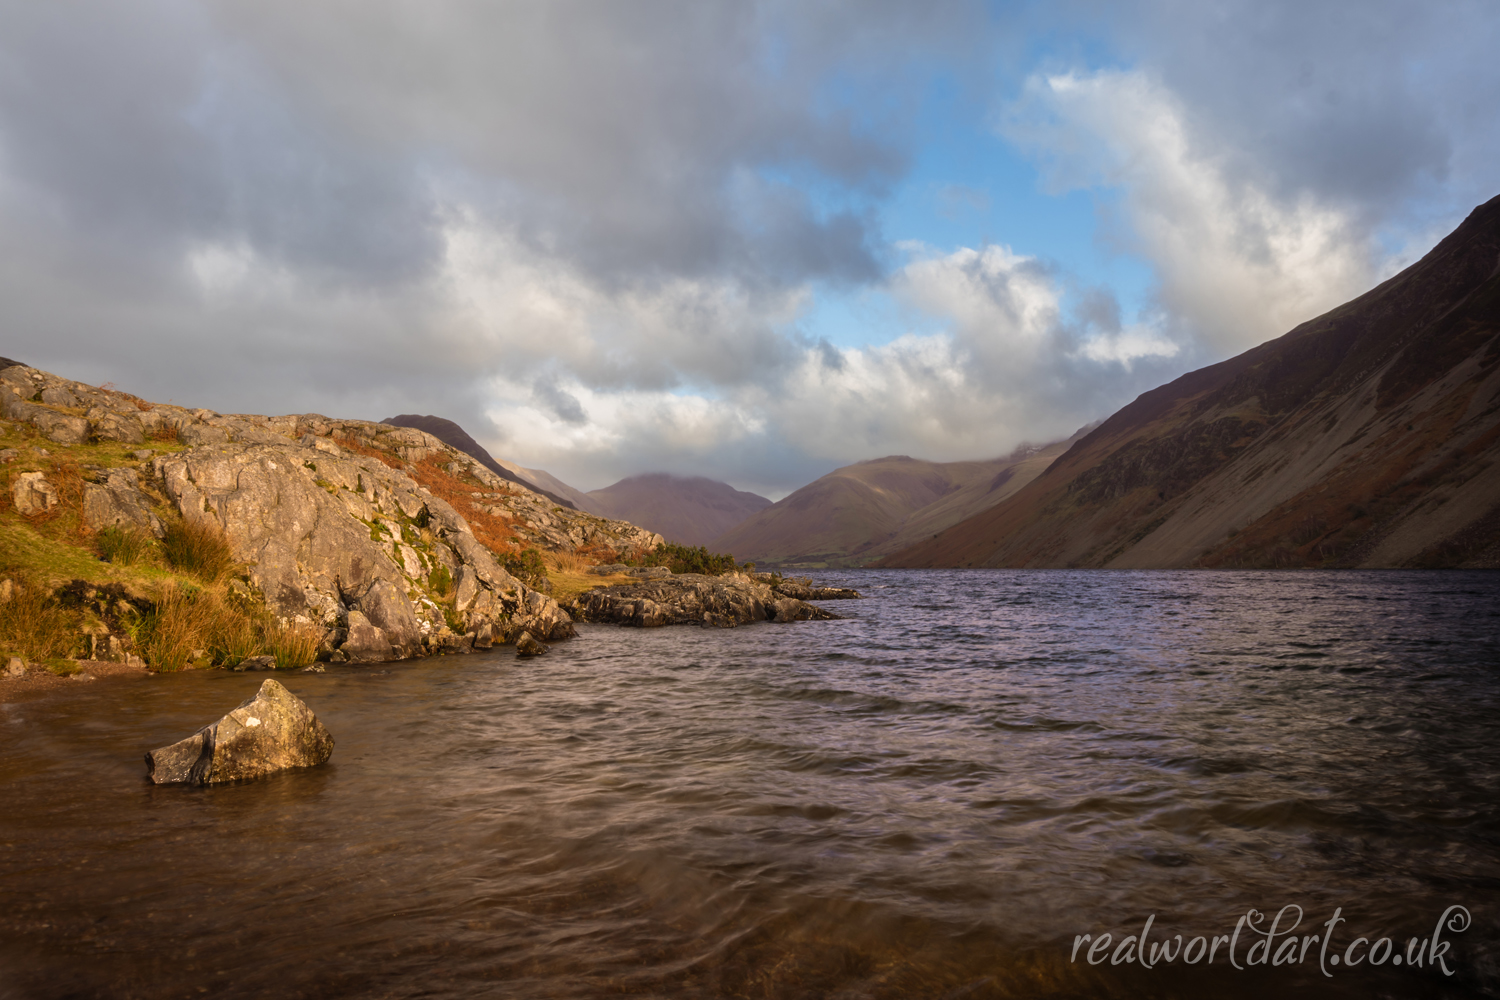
<point x="198" y="548"/>
<point x="124" y="545"/>
<point x="203" y="626"/>
<point x="292" y="644"/>
<point x="569" y="585"/>
<point x="36" y="627"/>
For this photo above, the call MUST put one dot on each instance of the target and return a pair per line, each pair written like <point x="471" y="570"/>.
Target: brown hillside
<point x="860" y="512"/>
<point x="687" y="510"/>
<point x="1364" y="437"/>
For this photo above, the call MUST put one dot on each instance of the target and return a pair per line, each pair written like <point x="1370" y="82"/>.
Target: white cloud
<point x="1002" y="366"/>
<point x="1237" y="264"/>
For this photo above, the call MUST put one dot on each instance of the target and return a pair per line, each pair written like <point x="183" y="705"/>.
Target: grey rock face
<point x="387" y="608"/>
<point x="32" y="494"/>
<point x="273" y="731"/>
<point x="56" y="426"/>
<point x="363" y="642"/>
<point x="789" y="609"/>
<point x="257" y="663"/>
<point x="119" y="501"/>
<point x="106" y="425"/>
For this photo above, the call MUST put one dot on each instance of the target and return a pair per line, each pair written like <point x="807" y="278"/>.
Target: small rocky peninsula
<point x="369" y="541"/>
<point x="660" y="597"/>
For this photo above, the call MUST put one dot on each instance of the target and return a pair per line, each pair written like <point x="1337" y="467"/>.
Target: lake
<point x="938" y="796"/>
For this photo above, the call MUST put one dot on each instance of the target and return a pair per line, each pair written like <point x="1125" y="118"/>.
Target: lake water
<point x="933" y="798"/>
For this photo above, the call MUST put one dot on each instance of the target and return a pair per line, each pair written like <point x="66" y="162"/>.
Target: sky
<point x="749" y="240"/>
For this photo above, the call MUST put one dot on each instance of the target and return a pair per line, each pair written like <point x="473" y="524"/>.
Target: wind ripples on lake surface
<point x="930" y="798"/>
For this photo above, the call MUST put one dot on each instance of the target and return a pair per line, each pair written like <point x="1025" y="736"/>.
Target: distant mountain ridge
<point x="1368" y="436"/>
<point x="455" y="436"/>
<point x="861" y="512"/>
<point x="688" y="510"/>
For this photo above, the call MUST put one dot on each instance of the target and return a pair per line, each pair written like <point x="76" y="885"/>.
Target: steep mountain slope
<point x="543" y="481"/>
<point x="1369" y="436"/>
<point x="454" y="436"/>
<point x="686" y="510"/>
<point x="862" y="511"/>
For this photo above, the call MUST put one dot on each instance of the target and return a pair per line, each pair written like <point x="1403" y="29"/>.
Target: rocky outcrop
<point x="346" y="541"/>
<point x="803" y="590"/>
<point x="692" y="599"/>
<point x="273" y="731"/>
<point x="329" y="518"/>
<point x="32" y="494"/>
<point x="118" y="501"/>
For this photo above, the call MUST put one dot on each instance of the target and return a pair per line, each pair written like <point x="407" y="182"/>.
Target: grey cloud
<point x="559" y="402"/>
<point x="1363" y="105"/>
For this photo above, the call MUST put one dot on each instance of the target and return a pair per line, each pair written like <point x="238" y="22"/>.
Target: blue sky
<point x="754" y="241"/>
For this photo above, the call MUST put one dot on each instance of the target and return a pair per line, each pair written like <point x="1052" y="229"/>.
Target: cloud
<point x="1235" y="264"/>
<point x="1002" y="361"/>
<point x="608" y="228"/>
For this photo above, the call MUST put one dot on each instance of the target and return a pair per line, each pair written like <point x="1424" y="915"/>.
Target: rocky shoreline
<point x="379" y="542"/>
<point x="728" y="601"/>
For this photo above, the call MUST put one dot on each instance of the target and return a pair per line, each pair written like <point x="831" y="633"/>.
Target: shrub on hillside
<point x="526" y="566"/>
<point x="685" y="559"/>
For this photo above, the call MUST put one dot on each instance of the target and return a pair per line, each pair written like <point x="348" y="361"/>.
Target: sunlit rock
<point x="273" y="731"/>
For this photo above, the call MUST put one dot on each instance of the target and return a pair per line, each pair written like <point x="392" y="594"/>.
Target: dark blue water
<point x="936" y="797"/>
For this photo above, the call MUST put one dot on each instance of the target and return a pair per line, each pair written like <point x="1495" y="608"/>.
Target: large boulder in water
<point x="273" y="731"/>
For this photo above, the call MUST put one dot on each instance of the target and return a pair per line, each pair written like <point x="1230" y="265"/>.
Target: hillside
<point x="368" y="541"/>
<point x="1369" y="436"/>
<point x="860" y="512"/>
<point x="452" y="434"/>
<point x="686" y="510"/>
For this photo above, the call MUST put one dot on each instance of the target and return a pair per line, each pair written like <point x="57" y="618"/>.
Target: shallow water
<point x="933" y="798"/>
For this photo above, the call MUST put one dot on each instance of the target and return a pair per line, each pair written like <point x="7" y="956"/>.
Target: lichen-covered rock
<point x="32" y="494"/>
<point x="273" y="731"/>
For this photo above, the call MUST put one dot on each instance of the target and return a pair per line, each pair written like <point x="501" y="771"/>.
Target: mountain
<point x="1369" y="436"/>
<point x="687" y="510"/>
<point x="544" y="482"/>
<point x="455" y="436"/>
<point x="863" y="511"/>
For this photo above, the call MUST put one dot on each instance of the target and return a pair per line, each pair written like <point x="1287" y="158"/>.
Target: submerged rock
<point x="273" y="731"/>
<point x="527" y="646"/>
